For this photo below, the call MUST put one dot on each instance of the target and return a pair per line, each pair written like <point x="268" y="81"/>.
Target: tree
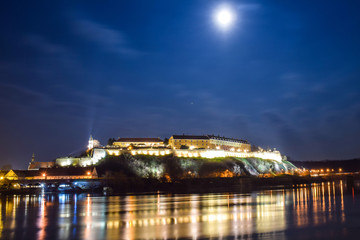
<point x="111" y="141"/>
<point x="6" y="167"/>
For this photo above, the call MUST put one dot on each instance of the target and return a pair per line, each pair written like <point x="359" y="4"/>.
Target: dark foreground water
<point x="317" y="211"/>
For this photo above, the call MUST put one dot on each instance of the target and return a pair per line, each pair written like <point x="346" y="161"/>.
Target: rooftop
<point x="139" y="140"/>
<point x="205" y="137"/>
<point x="227" y="139"/>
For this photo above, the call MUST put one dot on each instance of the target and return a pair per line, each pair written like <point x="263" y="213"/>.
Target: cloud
<point x="76" y="103"/>
<point x="273" y="118"/>
<point x="248" y="6"/>
<point x="318" y="88"/>
<point x="108" y="39"/>
<point x="71" y="108"/>
<point x="206" y="101"/>
<point x="290" y="76"/>
<point x="40" y="43"/>
<point x="21" y="95"/>
<point x="291" y="139"/>
<point x="51" y="62"/>
<point x="289" y="96"/>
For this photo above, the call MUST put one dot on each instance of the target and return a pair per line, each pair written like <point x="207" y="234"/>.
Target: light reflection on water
<point x="316" y="211"/>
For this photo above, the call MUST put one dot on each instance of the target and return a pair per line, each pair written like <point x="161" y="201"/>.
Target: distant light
<point x="88" y="173"/>
<point x="44" y="175"/>
<point x="224" y="17"/>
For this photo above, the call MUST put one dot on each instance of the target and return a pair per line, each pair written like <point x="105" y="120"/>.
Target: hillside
<point x="173" y="167"/>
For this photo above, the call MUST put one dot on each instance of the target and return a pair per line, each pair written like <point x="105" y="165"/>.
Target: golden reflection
<point x="323" y="197"/>
<point x="42" y="220"/>
<point x="175" y="216"/>
<point x="342" y="201"/>
<point x="88" y="218"/>
<point x="319" y="203"/>
<point x="198" y="216"/>
<point x="329" y="199"/>
<point x="221" y="215"/>
<point x="270" y="213"/>
<point x="1" y="219"/>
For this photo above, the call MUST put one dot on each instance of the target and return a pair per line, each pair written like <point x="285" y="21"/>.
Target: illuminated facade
<point x="209" y="142"/>
<point x="93" y="143"/>
<point x="176" y="141"/>
<point x="51" y="174"/>
<point x="206" y="146"/>
<point x="206" y="153"/>
<point x="34" y="165"/>
<point x="97" y="154"/>
<point x="139" y="142"/>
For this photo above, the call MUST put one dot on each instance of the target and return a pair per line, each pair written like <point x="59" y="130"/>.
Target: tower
<point x="91" y="143"/>
<point x="32" y="163"/>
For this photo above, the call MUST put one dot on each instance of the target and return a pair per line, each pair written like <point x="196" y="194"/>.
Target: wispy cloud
<point x="17" y="94"/>
<point x="107" y="38"/>
<point x="290" y="77"/>
<point x="44" y="46"/>
<point x="51" y="56"/>
<point x="318" y="88"/>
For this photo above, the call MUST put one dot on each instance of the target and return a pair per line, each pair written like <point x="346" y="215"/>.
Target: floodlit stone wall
<point x="208" y="153"/>
<point x="99" y="154"/>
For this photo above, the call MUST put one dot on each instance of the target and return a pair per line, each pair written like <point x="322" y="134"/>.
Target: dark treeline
<point x="352" y="165"/>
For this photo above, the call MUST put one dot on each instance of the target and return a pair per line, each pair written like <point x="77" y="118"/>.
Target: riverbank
<point x="117" y="185"/>
<point x="218" y="185"/>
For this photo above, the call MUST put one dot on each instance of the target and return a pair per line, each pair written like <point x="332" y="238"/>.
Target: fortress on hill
<point x="183" y="146"/>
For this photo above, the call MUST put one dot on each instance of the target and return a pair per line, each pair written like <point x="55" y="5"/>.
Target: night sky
<point x="286" y="75"/>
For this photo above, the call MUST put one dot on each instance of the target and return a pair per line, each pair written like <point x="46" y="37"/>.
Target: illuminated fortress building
<point x="184" y="146"/>
<point x="209" y="142"/>
<point x="139" y="142"/>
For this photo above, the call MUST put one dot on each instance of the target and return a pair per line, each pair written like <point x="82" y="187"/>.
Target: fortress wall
<point x="99" y="154"/>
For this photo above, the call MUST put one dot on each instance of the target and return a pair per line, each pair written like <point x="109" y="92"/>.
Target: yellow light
<point x="44" y="175"/>
<point x="340" y="169"/>
<point x="1" y="178"/>
<point x="88" y="173"/>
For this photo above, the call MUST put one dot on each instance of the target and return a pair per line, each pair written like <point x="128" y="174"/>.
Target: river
<point x="315" y="211"/>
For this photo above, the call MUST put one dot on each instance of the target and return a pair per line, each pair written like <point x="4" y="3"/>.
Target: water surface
<point x="321" y="211"/>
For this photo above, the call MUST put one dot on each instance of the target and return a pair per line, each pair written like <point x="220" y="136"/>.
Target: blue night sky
<point x="285" y="76"/>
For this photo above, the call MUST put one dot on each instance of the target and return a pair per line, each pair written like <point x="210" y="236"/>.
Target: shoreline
<point x="116" y="186"/>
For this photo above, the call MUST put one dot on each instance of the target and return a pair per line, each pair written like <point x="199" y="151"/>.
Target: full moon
<point x="224" y="17"/>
